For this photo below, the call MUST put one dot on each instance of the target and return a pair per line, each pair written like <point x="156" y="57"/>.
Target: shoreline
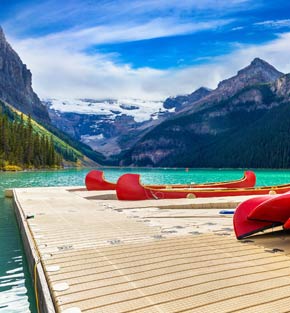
<point x="147" y="168"/>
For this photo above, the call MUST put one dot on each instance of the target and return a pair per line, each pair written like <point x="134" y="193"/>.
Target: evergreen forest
<point x="21" y="147"/>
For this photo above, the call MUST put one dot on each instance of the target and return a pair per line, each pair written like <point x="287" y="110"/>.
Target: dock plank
<point x="151" y="256"/>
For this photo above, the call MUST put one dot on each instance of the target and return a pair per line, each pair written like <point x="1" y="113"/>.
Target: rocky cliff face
<point x="282" y="86"/>
<point x="258" y="72"/>
<point x="100" y="132"/>
<point x="182" y="102"/>
<point x="15" y="83"/>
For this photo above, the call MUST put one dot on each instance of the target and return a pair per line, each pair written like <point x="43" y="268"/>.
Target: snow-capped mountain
<point x="112" y="126"/>
<point x="140" y="110"/>
<point x="108" y="125"/>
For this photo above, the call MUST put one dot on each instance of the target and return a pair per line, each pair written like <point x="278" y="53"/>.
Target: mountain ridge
<point x="257" y="72"/>
<point x="196" y="136"/>
<point x="203" y="106"/>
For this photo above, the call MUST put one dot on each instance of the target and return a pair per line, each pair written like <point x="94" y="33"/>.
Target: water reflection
<point x="16" y="293"/>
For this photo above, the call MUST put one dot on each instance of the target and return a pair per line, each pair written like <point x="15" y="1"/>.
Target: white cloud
<point x="274" y="23"/>
<point x="82" y="39"/>
<point x="275" y="52"/>
<point x="187" y="80"/>
<point x="238" y="28"/>
<point x="61" y="73"/>
<point x="58" y="72"/>
<point x="62" y="68"/>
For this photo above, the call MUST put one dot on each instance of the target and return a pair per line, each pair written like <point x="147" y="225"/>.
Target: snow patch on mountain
<point x="140" y="110"/>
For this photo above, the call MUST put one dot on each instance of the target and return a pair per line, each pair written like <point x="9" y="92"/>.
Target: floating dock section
<point x="91" y="253"/>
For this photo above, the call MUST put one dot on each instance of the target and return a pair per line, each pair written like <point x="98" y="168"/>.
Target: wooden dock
<point x="94" y="253"/>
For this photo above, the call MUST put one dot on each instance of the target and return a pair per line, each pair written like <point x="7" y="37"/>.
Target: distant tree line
<point x="21" y="147"/>
<point x="68" y="154"/>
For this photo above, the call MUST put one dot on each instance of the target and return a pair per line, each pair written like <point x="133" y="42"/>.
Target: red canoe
<point x="130" y="188"/>
<point x="257" y="214"/>
<point x="95" y="180"/>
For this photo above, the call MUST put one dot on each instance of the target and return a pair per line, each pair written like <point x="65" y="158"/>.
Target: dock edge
<point x="45" y="302"/>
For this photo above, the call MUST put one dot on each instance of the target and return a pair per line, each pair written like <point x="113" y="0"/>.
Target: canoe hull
<point x="129" y="187"/>
<point x="95" y="180"/>
<point x="257" y="214"/>
<point x="274" y="209"/>
<point x="244" y="227"/>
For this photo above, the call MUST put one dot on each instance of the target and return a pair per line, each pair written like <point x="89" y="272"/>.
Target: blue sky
<point x="142" y="49"/>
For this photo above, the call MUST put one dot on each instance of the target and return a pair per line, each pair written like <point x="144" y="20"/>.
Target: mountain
<point x="16" y="97"/>
<point x="15" y="83"/>
<point x="182" y="102"/>
<point x="112" y="126"/>
<point x="107" y="125"/>
<point x="258" y="72"/>
<point x="281" y="86"/>
<point x="120" y="128"/>
<point x="244" y="122"/>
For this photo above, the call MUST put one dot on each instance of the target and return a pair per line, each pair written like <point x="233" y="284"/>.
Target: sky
<point x="142" y="49"/>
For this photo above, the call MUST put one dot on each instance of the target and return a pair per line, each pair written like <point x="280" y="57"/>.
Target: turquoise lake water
<point x="16" y="292"/>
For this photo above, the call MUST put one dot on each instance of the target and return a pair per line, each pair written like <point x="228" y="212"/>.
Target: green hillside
<point x="25" y="144"/>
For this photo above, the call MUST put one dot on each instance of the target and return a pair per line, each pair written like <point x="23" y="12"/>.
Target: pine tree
<point x="21" y="146"/>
